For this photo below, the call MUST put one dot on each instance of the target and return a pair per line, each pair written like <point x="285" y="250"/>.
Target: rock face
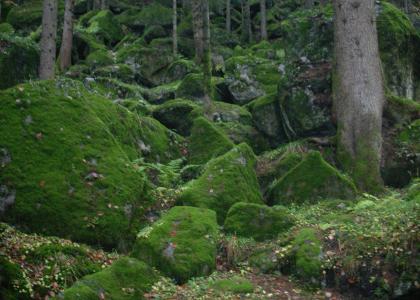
<point x="260" y="222"/>
<point x="19" y="59"/>
<point x="311" y="180"/>
<point x="182" y="244"/>
<point x="126" y="279"/>
<point x="67" y="169"/>
<point x="226" y="180"/>
<point x="206" y="142"/>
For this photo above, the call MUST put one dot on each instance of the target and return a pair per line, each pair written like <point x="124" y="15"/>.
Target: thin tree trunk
<point x="358" y="92"/>
<point x="104" y="4"/>
<point x="174" y="26"/>
<point x="263" y="11"/>
<point x="197" y="17"/>
<point x="246" y="22"/>
<point x="0" y="10"/>
<point x="48" y="39"/>
<point x="96" y="4"/>
<point x="228" y="17"/>
<point x="67" y="40"/>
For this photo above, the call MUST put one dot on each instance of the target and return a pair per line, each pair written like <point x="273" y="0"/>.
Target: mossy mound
<point x="235" y="284"/>
<point x="226" y="180"/>
<point x="182" y="244"/>
<point x="257" y="221"/>
<point x="149" y="15"/>
<point x="177" y="114"/>
<point x="6" y="28"/>
<point x="126" y="279"/>
<point x="413" y="191"/>
<point x="13" y="285"/>
<point x="79" y="181"/>
<point x="206" y="142"/>
<point x="105" y="27"/>
<point x="192" y="87"/>
<point x="99" y="58"/>
<point x="311" y="180"/>
<point x="227" y="112"/>
<point x="308" y="255"/>
<point x="19" y="60"/>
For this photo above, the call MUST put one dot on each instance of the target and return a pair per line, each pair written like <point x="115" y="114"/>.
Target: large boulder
<point x="19" y="60"/>
<point x="311" y="180"/>
<point x="105" y="27"/>
<point x="79" y="181"/>
<point x="260" y="222"/>
<point x="126" y="279"/>
<point x="182" y="244"/>
<point x="206" y="142"/>
<point x="226" y="180"/>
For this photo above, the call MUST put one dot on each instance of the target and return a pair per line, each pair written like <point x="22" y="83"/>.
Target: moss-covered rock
<point x="105" y="27"/>
<point x="413" y="191"/>
<point x="311" y="180"/>
<point x="19" y="60"/>
<point x="226" y="180"/>
<point x="257" y="221"/>
<point x="126" y="279"/>
<point x="149" y="15"/>
<point x="182" y="244"/>
<point x="79" y="182"/>
<point x="206" y="142"/>
<point x="308" y="255"/>
<point x="6" y="28"/>
<point x="177" y="115"/>
<point x="226" y="112"/>
<point x="13" y="284"/>
<point x="192" y="87"/>
<point x="99" y="58"/>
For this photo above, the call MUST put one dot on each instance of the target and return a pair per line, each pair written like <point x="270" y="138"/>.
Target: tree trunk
<point x="0" y="10"/>
<point x="309" y="3"/>
<point x="104" y="4"/>
<point x="174" y="26"/>
<point x="246" y="22"/>
<point x="48" y="39"/>
<point x="263" y="12"/>
<point x="197" y="19"/>
<point x="228" y="17"/>
<point x="96" y="4"/>
<point x="67" y="40"/>
<point x="358" y="92"/>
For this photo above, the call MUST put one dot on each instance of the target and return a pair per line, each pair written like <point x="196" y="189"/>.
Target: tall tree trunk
<point x="201" y="28"/>
<point x="263" y="12"/>
<point x="96" y="4"/>
<point x="48" y="39"/>
<point x="358" y="92"/>
<point x="228" y="17"/>
<point x="67" y="40"/>
<point x="309" y="3"/>
<point x="246" y="22"/>
<point x="104" y="4"/>
<point x="174" y="26"/>
<point x="0" y="10"/>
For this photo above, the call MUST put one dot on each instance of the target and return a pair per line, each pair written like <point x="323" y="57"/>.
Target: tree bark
<point x="263" y="12"/>
<point x="96" y="5"/>
<point x="0" y="10"/>
<point x="174" y="26"/>
<point x="104" y="4"/>
<point x="67" y="39"/>
<point x="228" y="17"/>
<point x="358" y="92"/>
<point x="48" y="39"/>
<point x="246" y="22"/>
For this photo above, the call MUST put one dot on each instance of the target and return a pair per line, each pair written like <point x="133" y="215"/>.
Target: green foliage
<point x="258" y="221"/>
<point x="226" y="180"/>
<point x="308" y="254"/>
<point x="311" y="180"/>
<point x="19" y="59"/>
<point x="206" y="142"/>
<point x="181" y="244"/>
<point x="99" y="58"/>
<point x="236" y="285"/>
<point x="6" y="28"/>
<point x="13" y="284"/>
<point x="105" y="27"/>
<point x="126" y="279"/>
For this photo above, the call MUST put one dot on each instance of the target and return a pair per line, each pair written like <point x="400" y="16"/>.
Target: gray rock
<point x="7" y="198"/>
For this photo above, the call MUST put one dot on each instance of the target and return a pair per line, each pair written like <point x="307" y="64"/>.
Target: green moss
<point x="177" y="114"/>
<point x="308" y="254"/>
<point x="149" y="15"/>
<point x="227" y="112"/>
<point x="236" y="285"/>
<point x="119" y="71"/>
<point x="99" y="58"/>
<point x="226" y="180"/>
<point x="206" y="142"/>
<point x="13" y="285"/>
<point x="126" y="279"/>
<point x="105" y="27"/>
<point x="413" y="191"/>
<point x="311" y="180"/>
<point x="258" y="221"/>
<point x="181" y="244"/>
<point x="19" y="59"/>
<point x="79" y="182"/>
<point x="6" y="28"/>
<point x="401" y="110"/>
<point x="193" y="87"/>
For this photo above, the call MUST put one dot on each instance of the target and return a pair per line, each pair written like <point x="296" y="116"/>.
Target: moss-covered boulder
<point x="177" y="115"/>
<point x="79" y="182"/>
<point x="260" y="222"/>
<point x="126" y="279"/>
<point x="227" y="112"/>
<point x="206" y="142"/>
<point x="192" y="87"/>
<point x="182" y="244"/>
<point x="226" y="180"/>
<point x="19" y="60"/>
<point x="105" y="27"/>
<point x="308" y="255"/>
<point x="235" y="284"/>
<point x="6" y="28"/>
<point x="311" y="180"/>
